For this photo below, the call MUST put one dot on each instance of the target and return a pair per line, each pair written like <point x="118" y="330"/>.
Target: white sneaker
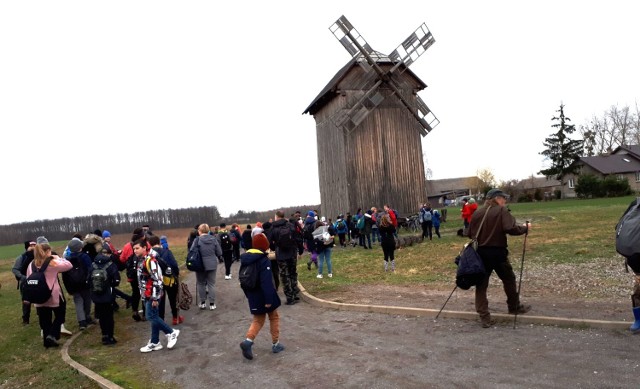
<point x="212" y="307"/>
<point x="330" y="275"/>
<point x="64" y="330"/>
<point x="172" y="338"/>
<point x="203" y="306"/>
<point x="227" y="277"/>
<point x="319" y="276"/>
<point x="151" y="347"/>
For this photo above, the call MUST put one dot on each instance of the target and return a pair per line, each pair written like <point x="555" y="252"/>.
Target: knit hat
<point x="75" y="245"/>
<point x="260" y="242"/>
<point x="106" y="234"/>
<point x="311" y="214"/>
<point x="41" y="240"/>
<point x="256" y="231"/>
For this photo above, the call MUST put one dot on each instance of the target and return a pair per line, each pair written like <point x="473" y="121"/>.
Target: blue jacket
<point x="167" y="256"/>
<point x="266" y="292"/>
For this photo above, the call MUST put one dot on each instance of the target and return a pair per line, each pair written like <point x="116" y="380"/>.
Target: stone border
<point x="390" y="310"/>
<point x="100" y="380"/>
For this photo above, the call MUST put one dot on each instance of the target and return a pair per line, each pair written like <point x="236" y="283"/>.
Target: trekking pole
<point x="445" y="303"/>
<point x="524" y="248"/>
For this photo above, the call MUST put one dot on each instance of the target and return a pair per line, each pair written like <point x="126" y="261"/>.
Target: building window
<point x="620" y="177"/>
<point x="570" y="183"/>
<point x="637" y="176"/>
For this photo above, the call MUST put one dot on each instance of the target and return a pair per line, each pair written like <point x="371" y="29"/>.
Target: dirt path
<point x="328" y="348"/>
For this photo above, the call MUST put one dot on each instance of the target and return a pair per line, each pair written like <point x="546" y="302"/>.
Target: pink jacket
<point x="59" y="265"/>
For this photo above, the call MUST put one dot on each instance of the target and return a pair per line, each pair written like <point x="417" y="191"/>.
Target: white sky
<point x="181" y="104"/>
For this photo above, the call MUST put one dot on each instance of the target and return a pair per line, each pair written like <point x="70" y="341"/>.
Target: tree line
<point x="124" y="223"/>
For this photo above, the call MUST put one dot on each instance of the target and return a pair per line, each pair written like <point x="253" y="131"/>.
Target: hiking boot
<point x="487" y="322"/>
<point x="246" y="349"/>
<point x="109" y="340"/>
<point x="82" y="325"/>
<point x="136" y="316"/>
<point x="172" y="339"/>
<point x="277" y="347"/>
<point x="520" y="309"/>
<point x="291" y="301"/>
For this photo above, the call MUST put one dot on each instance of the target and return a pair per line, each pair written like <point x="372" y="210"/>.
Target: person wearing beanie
<point x="75" y="281"/>
<point x="257" y="230"/>
<point x="263" y="299"/>
<point x="106" y="234"/>
<point x="42" y="240"/>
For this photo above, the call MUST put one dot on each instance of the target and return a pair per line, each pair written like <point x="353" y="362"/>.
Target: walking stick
<point x="445" y="303"/>
<point x="524" y="248"/>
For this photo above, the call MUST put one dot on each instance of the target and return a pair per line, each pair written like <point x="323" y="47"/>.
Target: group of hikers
<point x="90" y="268"/>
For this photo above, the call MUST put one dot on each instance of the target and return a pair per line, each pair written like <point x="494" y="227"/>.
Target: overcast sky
<point x="126" y="106"/>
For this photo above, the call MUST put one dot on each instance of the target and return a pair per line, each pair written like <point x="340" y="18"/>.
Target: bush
<point x="525" y="198"/>
<point x="591" y="186"/>
<point x="613" y="187"/>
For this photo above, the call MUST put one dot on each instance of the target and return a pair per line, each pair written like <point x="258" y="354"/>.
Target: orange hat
<point x="260" y="242"/>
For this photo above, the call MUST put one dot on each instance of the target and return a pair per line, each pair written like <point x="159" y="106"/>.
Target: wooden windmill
<point x="369" y="120"/>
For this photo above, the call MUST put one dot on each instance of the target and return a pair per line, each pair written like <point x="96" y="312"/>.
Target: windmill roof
<point x="327" y="93"/>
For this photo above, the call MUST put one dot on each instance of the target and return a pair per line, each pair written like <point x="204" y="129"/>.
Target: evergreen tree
<point x="563" y="152"/>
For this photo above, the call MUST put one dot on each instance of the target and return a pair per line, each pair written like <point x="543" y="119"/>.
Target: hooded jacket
<point x="266" y="292"/>
<point x="282" y="253"/>
<point x="210" y="250"/>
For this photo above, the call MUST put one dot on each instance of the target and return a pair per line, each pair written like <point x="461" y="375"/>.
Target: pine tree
<point x="563" y="152"/>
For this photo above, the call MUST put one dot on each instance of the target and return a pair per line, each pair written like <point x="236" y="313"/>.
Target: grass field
<point x="563" y="232"/>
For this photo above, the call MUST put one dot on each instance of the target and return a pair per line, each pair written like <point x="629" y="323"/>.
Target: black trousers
<point x="104" y="313"/>
<point x="228" y="260"/>
<point x="51" y="319"/>
<point x="170" y="292"/>
<point x="135" y="295"/>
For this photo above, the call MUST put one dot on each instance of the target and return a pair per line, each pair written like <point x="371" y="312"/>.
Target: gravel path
<point x="329" y="348"/>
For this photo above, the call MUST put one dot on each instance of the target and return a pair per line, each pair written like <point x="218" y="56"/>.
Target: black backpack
<point x="100" y="278"/>
<point x="284" y="237"/>
<point x="248" y="276"/>
<point x="628" y="231"/>
<point x="132" y="266"/>
<point x="75" y="279"/>
<point x="225" y="241"/>
<point x="36" y="290"/>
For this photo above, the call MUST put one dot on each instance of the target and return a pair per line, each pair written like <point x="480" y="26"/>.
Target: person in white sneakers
<point x="150" y="282"/>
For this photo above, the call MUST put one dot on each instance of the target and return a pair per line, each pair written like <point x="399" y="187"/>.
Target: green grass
<point x="566" y="231"/>
<point x="563" y="232"/>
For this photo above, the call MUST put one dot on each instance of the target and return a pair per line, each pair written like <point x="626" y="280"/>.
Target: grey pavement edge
<point x="391" y="310"/>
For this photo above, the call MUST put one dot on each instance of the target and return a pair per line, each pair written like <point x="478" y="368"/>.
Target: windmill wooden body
<point x="369" y="120"/>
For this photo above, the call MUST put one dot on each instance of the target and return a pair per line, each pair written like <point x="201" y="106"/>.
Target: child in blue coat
<point x="263" y="299"/>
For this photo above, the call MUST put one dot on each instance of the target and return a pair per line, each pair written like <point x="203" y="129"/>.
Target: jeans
<point x="362" y="238"/>
<point x="157" y="324"/>
<point x="325" y="255"/>
<point x="82" y="301"/>
<point x="375" y="235"/>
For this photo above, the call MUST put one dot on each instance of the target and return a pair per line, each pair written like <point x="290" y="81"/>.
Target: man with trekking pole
<point x="492" y="248"/>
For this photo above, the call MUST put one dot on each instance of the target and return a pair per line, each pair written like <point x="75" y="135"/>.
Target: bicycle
<point x="413" y="224"/>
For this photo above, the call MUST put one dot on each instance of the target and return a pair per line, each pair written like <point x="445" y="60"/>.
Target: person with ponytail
<point x="52" y="312"/>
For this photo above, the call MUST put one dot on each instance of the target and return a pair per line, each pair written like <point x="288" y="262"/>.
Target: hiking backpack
<point x="248" y="276"/>
<point x="360" y="223"/>
<point x="75" y="279"/>
<point x="36" y="290"/>
<point x="284" y="237"/>
<point x="233" y="238"/>
<point x="426" y="216"/>
<point x="628" y="231"/>
<point x="100" y="278"/>
<point x="225" y="241"/>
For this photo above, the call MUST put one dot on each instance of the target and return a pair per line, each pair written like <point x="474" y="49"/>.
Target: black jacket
<point x="114" y="278"/>
<point x="282" y="253"/>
